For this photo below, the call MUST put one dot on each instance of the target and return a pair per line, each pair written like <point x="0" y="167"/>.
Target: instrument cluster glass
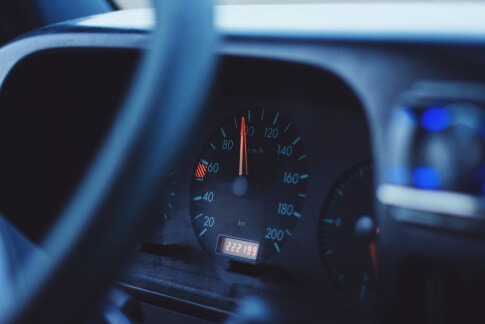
<point x="249" y="186"/>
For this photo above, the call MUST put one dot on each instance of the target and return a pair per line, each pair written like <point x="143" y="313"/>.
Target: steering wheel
<point x="111" y="206"/>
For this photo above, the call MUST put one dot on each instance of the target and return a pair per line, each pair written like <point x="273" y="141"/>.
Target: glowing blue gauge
<point x="248" y="187"/>
<point x="436" y="119"/>
<point x="425" y="177"/>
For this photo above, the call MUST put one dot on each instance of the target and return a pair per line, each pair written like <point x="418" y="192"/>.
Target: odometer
<point x="249" y="186"/>
<point x="238" y="248"/>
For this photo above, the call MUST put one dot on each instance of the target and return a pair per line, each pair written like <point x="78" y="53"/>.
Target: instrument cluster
<point x="274" y="197"/>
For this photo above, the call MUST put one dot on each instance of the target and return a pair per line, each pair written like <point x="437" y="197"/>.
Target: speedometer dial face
<point x="249" y="186"/>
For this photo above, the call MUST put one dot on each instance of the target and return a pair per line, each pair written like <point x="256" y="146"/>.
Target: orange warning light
<point x="201" y="170"/>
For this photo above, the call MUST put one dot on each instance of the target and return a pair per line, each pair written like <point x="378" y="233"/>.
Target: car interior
<point x="242" y="161"/>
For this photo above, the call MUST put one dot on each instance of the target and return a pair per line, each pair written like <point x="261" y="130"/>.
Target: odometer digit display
<point x="238" y="248"/>
<point x="249" y="183"/>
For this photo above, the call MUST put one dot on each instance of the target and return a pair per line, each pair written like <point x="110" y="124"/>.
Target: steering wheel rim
<point x="112" y="206"/>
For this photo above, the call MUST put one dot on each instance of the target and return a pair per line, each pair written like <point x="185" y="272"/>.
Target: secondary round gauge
<point x="249" y="186"/>
<point x="347" y="232"/>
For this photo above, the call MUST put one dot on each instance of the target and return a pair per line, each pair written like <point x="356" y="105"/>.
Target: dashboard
<point x="274" y="199"/>
<point x="266" y="237"/>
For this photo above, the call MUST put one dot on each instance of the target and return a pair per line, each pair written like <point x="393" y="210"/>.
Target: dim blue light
<point x="398" y="175"/>
<point x="426" y="178"/>
<point x="405" y="116"/>
<point x="435" y="119"/>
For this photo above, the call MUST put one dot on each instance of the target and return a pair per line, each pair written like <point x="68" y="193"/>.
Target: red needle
<point x="374" y="255"/>
<point x="245" y="149"/>
<point x="243" y="152"/>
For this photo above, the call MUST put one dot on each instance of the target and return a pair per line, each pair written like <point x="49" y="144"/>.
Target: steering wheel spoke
<point x="112" y="206"/>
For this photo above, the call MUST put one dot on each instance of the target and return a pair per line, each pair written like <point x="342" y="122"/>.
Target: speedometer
<point x="249" y="186"/>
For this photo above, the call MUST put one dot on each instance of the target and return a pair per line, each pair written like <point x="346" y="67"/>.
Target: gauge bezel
<point x="294" y="196"/>
<point x="343" y="179"/>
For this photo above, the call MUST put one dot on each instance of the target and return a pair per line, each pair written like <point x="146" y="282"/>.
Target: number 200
<point x="274" y="234"/>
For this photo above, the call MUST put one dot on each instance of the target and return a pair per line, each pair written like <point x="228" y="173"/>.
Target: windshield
<point x="130" y="4"/>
